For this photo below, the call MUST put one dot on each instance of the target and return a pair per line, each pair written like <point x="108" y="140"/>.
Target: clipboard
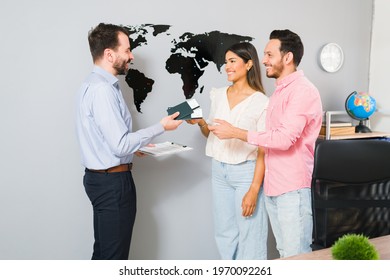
<point x="188" y="109"/>
<point x="164" y="148"/>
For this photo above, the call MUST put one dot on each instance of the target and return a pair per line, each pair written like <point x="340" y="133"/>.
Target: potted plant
<point x="354" y="247"/>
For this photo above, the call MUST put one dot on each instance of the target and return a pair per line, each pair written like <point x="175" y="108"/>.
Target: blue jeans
<point x="237" y="237"/>
<point x="291" y="219"/>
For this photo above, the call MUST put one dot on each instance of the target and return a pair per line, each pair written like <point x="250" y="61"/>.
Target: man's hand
<point x="142" y="154"/>
<point x="224" y="130"/>
<point x="169" y="122"/>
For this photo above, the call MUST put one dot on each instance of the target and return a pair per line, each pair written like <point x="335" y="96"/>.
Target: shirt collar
<point x="106" y="75"/>
<point x="289" y="79"/>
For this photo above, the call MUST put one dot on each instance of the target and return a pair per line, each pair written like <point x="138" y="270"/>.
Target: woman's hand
<point x="249" y="202"/>
<point x="194" y="121"/>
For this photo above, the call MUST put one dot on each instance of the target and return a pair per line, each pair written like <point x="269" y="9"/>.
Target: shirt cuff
<point x="252" y="138"/>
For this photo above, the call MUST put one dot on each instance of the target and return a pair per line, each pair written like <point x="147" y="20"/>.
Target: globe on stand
<point x="360" y="106"/>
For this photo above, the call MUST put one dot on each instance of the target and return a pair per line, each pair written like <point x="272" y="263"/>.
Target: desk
<point x="374" y="134"/>
<point x="382" y="244"/>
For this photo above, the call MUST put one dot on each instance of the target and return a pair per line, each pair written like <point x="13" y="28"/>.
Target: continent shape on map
<point x="141" y="86"/>
<point x="141" y="31"/>
<point x="191" y="54"/>
<point x="138" y="81"/>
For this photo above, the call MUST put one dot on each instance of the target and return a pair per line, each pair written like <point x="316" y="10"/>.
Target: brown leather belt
<point x="119" y="168"/>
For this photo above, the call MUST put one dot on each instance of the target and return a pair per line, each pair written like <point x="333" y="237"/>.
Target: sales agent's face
<point x="122" y="55"/>
<point x="273" y="60"/>
<point x="235" y="67"/>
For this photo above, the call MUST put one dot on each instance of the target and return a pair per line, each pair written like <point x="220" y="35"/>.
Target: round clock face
<point x="331" y="57"/>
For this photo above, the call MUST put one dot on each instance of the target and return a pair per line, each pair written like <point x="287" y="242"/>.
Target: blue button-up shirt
<point x="104" y="123"/>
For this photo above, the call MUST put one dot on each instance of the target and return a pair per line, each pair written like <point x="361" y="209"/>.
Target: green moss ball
<point x="354" y="247"/>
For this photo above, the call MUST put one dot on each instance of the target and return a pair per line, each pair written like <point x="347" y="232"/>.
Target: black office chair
<point x="350" y="189"/>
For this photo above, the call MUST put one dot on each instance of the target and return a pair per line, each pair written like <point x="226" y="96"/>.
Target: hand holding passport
<point x="189" y="109"/>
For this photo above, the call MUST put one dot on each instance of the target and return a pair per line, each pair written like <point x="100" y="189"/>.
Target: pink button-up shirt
<point x="293" y="122"/>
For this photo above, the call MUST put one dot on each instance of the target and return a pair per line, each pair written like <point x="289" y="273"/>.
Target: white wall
<point x="379" y="65"/>
<point x="45" y="213"/>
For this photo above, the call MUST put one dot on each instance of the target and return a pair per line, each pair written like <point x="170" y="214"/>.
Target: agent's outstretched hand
<point x="169" y="122"/>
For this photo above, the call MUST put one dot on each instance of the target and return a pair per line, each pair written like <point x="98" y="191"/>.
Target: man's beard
<point x="121" y="67"/>
<point x="276" y="70"/>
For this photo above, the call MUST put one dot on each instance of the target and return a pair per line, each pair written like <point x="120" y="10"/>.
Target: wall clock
<point x="331" y="57"/>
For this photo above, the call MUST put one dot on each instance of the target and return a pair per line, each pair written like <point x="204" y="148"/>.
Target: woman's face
<point x="235" y="67"/>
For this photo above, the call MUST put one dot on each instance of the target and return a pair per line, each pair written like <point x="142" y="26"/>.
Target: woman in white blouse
<point x="240" y="219"/>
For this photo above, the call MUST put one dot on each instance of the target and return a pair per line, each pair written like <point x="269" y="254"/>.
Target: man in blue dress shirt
<point x="108" y="143"/>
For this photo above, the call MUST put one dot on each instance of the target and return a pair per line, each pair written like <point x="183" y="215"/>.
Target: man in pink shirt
<point x="293" y="122"/>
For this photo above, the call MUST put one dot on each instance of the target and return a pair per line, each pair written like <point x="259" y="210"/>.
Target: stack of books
<point x="338" y="128"/>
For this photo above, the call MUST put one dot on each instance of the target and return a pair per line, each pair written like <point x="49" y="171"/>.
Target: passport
<point x="188" y="109"/>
